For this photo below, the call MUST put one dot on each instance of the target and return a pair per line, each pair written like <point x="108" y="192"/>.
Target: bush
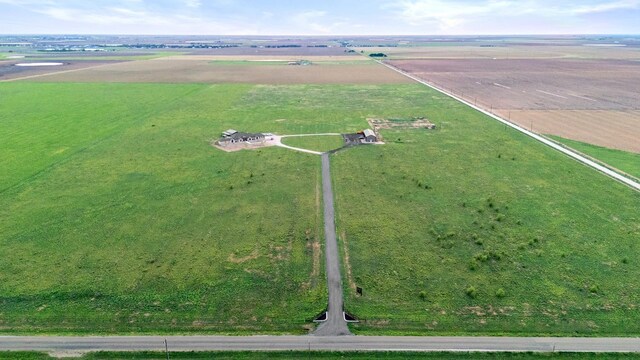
<point x="500" y="293"/>
<point x="423" y="295"/>
<point x="471" y="292"/>
<point x="378" y="55"/>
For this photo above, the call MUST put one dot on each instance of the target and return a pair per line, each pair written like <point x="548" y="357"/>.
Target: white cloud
<point x="450" y="14"/>
<point x="193" y="3"/>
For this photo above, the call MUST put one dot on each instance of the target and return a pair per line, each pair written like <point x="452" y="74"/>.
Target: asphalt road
<point x="335" y="324"/>
<point x="336" y="343"/>
<point x="588" y="162"/>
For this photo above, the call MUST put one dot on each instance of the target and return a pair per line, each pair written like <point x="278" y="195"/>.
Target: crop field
<point x="8" y="70"/>
<point x="496" y="50"/>
<point x="207" y="70"/>
<point x="474" y="228"/>
<point x="593" y="101"/>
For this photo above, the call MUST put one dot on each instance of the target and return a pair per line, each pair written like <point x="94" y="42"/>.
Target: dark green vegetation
<point x="626" y="161"/>
<point x="324" y="355"/>
<point x="378" y="55"/>
<point x="118" y="216"/>
<point x="315" y="143"/>
<point x="474" y="228"/>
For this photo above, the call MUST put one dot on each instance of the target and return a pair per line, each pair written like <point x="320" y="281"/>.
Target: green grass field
<point x="324" y="355"/>
<point x="476" y="229"/>
<point x="626" y="161"/>
<point x="118" y="215"/>
<point x="315" y="143"/>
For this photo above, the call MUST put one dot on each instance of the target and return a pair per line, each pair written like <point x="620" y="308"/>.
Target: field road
<point x="621" y="178"/>
<point x="55" y="344"/>
<point x="335" y="324"/>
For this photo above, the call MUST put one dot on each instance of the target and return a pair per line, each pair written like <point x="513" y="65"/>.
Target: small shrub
<point x="471" y="292"/>
<point x="625" y="261"/>
<point x="594" y="289"/>
<point x="500" y="293"/>
<point x="230" y="187"/>
<point x="423" y="295"/>
<point x="473" y="265"/>
<point x="499" y="218"/>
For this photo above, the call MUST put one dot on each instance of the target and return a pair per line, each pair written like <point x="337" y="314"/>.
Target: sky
<point x="320" y="17"/>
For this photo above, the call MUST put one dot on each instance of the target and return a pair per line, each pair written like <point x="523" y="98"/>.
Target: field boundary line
<point x="58" y="72"/>
<point x="588" y="162"/>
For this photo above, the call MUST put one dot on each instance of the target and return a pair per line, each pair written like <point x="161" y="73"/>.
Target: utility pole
<point x="166" y="348"/>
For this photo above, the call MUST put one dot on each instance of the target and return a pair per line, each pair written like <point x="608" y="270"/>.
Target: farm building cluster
<point x="367" y="136"/>
<point x="234" y="138"/>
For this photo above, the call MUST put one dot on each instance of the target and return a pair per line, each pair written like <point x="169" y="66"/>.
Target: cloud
<point x="450" y="14"/>
<point x="193" y="3"/>
<point x="608" y="6"/>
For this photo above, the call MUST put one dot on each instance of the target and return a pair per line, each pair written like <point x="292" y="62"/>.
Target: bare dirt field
<point x="263" y="51"/>
<point x="595" y="101"/>
<point x="8" y="70"/>
<point x="180" y="70"/>
<point x="508" y="52"/>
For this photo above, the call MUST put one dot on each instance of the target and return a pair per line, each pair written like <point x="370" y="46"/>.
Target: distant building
<point x="369" y="136"/>
<point x="235" y="137"/>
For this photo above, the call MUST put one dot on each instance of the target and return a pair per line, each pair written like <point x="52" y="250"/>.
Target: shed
<point x="370" y="136"/>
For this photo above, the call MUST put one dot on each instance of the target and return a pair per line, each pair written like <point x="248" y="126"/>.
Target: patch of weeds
<point x="471" y="292"/>
<point x="500" y="293"/>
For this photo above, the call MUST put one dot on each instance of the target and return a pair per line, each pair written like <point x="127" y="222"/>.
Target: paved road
<point x="337" y="343"/>
<point x="623" y="179"/>
<point x="335" y="324"/>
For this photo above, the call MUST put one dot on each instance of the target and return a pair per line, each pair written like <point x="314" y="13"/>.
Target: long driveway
<point x="335" y="324"/>
<point x="337" y="343"/>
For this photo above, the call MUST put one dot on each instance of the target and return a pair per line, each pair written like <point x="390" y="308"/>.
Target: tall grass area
<point x="476" y="229"/>
<point x="118" y="216"/>
<point x="623" y="160"/>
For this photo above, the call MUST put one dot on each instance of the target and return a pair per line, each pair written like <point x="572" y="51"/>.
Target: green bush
<point x="471" y="292"/>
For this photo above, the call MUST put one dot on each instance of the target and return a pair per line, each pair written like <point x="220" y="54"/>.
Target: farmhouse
<point x="232" y="136"/>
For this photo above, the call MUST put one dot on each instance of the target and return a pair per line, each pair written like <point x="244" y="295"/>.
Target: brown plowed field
<point x="613" y="129"/>
<point x="508" y="52"/>
<point x="8" y="70"/>
<point x="595" y="101"/>
<point x="199" y="70"/>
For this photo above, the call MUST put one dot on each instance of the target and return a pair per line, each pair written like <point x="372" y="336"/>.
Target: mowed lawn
<point x="474" y="228"/>
<point x="118" y="216"/>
